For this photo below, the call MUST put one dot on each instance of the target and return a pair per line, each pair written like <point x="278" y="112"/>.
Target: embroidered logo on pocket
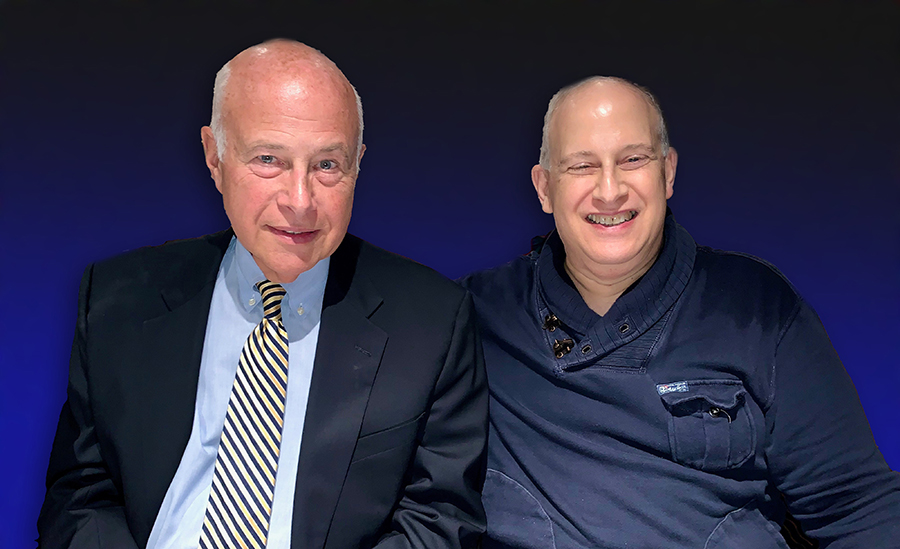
<point x="677" y="387"/>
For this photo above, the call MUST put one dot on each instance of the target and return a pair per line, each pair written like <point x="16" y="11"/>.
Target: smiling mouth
<point x="295" y="236"/>
<point x="290" y="232"/>
<point x="611" y="220"/>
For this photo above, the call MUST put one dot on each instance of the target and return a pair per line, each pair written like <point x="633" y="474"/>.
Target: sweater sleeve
<point x="820" y="450"/>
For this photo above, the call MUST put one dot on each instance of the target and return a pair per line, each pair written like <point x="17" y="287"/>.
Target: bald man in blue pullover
<point x="650" y="392"/>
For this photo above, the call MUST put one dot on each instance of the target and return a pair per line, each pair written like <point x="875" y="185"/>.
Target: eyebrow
<point x="570" y="157"/>
<point x="336" y="147"/>
<point x="252" y="147"/>
<point x="638" y="147"/>
<point x="264" y="145"/>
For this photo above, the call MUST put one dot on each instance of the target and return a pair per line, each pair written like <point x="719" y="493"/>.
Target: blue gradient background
<point x="785" y="117"/>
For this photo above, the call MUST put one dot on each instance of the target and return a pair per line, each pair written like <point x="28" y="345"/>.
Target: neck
<point x="601" y="286"/>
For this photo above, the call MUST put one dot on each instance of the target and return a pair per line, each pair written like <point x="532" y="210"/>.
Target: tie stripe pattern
<point x="240" y="500"/>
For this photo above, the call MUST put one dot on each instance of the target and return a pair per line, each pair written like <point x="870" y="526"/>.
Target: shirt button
<point x="300" y="310"/>
<point x="252" y="301"/>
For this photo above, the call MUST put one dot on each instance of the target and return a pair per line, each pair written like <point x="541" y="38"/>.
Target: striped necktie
<point x="240" y="500"/>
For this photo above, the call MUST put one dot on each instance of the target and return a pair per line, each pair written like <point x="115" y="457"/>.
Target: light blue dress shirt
<point x="236" y="308"/>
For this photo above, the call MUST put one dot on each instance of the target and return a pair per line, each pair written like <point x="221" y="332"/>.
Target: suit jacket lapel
<point x="170" y="369"/>
<point x="348" y="354"/>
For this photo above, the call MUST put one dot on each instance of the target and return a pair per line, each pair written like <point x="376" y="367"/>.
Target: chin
<point x="606" y="256"/>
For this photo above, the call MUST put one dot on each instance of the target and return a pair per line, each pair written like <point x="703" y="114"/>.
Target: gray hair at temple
<point x="663" y="134"/>
<point x="218" y="129"/>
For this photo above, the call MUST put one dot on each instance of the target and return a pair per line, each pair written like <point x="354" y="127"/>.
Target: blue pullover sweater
<point x="704" y="401"/>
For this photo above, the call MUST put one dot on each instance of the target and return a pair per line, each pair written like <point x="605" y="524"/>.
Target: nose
<point x="609" y="187"/>
<point x="297" y="194"/>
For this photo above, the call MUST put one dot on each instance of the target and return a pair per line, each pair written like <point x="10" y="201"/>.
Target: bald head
<point x="285" y="70"/>
<point x="593" y="86"/>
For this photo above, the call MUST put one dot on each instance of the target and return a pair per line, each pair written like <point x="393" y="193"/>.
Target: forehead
<point x="604" y="114"/>
<point x="269" y="98"/>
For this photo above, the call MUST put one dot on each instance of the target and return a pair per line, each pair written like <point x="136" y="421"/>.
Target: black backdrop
<point x="785" y="116"/>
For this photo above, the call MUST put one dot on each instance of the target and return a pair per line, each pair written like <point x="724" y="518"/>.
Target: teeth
<point x="611" y="220"/>
<point x="294" y="232"/>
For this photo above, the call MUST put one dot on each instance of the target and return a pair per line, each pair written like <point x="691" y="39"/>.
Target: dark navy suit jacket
<point x="393" y="444"/>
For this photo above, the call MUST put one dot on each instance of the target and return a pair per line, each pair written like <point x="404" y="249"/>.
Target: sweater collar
<point x="634" y="311"/>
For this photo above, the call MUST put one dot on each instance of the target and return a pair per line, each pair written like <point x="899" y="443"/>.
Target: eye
<point x="635" y="161"/>
<point x="267" y="165"/>
<point x="327" y="164"/>
<point x="582" y="168"/>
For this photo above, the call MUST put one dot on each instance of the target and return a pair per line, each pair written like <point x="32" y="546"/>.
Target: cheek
<point x="244" y="203"/>
<point x="571" y="200"/>
<point x="338" y="202"/>
<point x="651" y="190"/>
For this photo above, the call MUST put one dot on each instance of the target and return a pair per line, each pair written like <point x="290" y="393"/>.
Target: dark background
<point x="785" y="116"/>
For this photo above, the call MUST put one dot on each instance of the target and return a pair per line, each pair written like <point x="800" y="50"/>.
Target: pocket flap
<point x="701" y="394"/>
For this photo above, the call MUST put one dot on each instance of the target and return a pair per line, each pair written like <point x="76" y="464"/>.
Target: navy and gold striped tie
<point x="240" y="501"/>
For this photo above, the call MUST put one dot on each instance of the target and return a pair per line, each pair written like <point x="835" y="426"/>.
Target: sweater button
<point x="551" y="322"/>
<point x="561" y="347"/>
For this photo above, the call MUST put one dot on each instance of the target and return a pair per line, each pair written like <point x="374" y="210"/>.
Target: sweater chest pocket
<point x="710" y="424"/>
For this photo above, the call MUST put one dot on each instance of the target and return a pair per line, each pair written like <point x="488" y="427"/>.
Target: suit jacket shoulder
<point x="392" y="275"/>
<point x="176" y="269"/>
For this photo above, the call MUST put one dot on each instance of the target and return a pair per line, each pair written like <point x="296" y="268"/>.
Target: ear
<point x="362" y="151"/>
<point x="211" y="154"/>
<point x="670" y="164"/>
<point x="541" y="180"/>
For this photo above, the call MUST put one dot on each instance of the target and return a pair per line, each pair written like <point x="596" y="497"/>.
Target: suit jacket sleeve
<point x="441" y="503"/>
<point x="83" y="507"/>
<point x="821" y="452"/>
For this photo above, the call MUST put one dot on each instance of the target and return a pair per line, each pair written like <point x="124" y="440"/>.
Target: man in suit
<point x="182" y="426"/>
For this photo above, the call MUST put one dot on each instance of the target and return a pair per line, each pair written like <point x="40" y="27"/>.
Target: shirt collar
<point x="301" y="307"/>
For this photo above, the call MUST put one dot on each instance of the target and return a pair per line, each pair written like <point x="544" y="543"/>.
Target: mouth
<point x="296" y="236"/>
<point x="611" y="220"/>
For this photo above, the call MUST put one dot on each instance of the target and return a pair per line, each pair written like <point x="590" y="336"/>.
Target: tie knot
<point x="272" y="294"/>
